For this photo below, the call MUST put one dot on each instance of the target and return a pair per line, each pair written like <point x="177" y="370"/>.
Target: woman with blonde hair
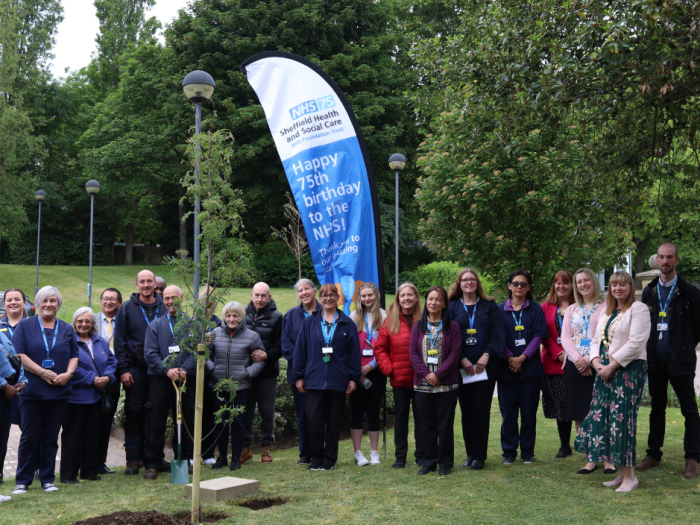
<point x="483" y="338"/>
<point x="392" y="353"/>
<point x="618" y="354"/>
<point x="367" y="399"/>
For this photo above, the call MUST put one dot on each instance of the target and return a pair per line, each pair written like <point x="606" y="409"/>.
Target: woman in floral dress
<point x="618" y="354"/>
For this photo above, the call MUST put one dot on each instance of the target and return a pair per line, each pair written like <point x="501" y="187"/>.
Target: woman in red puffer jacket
<point x="393" y="359"/>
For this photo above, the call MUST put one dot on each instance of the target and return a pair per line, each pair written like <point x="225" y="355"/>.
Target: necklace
<point x="613" y="328"/>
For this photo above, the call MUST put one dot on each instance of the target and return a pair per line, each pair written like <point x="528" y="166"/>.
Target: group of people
<point x="586" y="356"/>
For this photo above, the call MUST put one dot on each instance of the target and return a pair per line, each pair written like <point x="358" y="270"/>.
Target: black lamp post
<point x="93" y="188"/>
<point x="39" y="196"/>
<point x="397" y="163"/>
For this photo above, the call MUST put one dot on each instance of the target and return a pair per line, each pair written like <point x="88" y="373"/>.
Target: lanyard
<point x="171" y="326"/>
<point x="148" y="323"/>
<point x="328" y="333"/>
<point x="12" y="332"/>
<point x="369" y="330"/>
<point x="518" y="320"/>
<point x="43" y="334"/>
<point x="473" y="316"/>
<point x="561" y="315"/>
<point x="587" y="318"/>
<point x="437" y="334"/>
<point x="663" y="307"/>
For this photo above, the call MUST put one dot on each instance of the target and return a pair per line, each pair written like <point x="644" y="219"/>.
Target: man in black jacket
<point x="131" y="323"/>
<point x="675" y="332"/>
<point x="263" y="317"/>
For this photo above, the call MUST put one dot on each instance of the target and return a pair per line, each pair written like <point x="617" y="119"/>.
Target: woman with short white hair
<point x="230" y="361"/>
<point x="49" y="352"/>
<point x="96" y="369"/>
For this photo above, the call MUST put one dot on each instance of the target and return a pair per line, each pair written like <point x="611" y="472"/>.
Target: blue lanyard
<point x="587" y="318"/>
<point x="561" y="316"/>
<point x="12" y="332"/>
<point x="43" y="334"/>
<point x="473" y="316"/>
<point x="328" y="333"/>
<point x="148" y="323"/>
<point x="518" y="321"/>
<point x="668" y="299"/>
<point x="171" y="326"/>
<point x="437" y="334"/>
<point x="369" y="330"/>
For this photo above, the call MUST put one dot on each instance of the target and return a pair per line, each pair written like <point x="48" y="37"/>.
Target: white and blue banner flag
<point x="326" y="161"/>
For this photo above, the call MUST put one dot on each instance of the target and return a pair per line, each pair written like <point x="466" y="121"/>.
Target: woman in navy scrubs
<point x="520" y="381"/>
<point x="49" y="352"/>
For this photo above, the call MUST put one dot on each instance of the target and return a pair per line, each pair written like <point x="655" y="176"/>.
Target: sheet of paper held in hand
<point x="466" y="378"/>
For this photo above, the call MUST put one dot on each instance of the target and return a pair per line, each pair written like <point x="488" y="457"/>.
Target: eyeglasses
<point x="329" y="296"/>
<point x="519" y="284"/>
<point x="110" y="300"/>
<point x="469" y="281"/>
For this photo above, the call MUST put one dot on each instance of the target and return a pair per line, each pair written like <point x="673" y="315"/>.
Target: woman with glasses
<point x="555" y="306"/>
<point x="367" y="398"/>
<point x="481" y="326"/>
<point x="520" y="381"/>
<point x="327" y="369"/>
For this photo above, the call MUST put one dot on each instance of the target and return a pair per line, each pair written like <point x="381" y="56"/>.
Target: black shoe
<point x="165" y="467"/>
<point x="91" y="478"/>
<point x="588" y="471"/>
<point x="132" y="468"/>
<point x="304" y="460"/>
<point x="221" y="462"/>
<point x="564" y="453"/>
<point x="445" y="471"/>
<point x="509" y="460"/>
<point x="610" y="470"/>
<point x="316" y="464"/>
<point x="69" y="481"/>
<point x="327" y="466"/>
<point x="235" y="464"/>
<point x="425" y="470"/>
<point x="1" y="476"/>
<point x="399" y="463"/>
<point x="477" y="464"/>
<point x="105" y="470"/>
<point x="528" y="460"/>
<point x="467" y="463"/>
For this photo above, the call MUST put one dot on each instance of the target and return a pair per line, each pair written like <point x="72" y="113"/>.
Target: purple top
<point x="534" y="344"/>
<point x="448" y="373"/>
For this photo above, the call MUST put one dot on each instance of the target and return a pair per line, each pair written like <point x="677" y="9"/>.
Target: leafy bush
<point x="278" y="267"/>
<point x="443" y="274"/>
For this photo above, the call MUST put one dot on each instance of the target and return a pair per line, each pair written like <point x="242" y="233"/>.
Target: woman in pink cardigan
<point x="618" y="354"/>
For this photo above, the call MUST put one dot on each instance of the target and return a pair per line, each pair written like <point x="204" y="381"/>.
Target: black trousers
<point x="685" y="390"/>
<point x="236" y="428"/>
<point x="475" y="403"/>
<point x="518" y="398"/>
<point x="263" y="393"/>
<point x="324" y="415"/>
<point x="368" y="401"/>
<point x="79" y="441"/>
<point x="437" y="422"/>
<point x="135" y="414"/>
<point x="403" y="397"/>
<point x="5" y="424"/>
<point x="162" y="398"/>
<point x="300" y="407"/>
<point x="105" y="423"/>
<point x="41" y="423"/>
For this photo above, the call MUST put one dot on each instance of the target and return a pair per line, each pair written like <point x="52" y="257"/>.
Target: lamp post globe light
<point x="198" y="86"/>
<point x="40" y="195"/>
<point x="397" y="163"/>
<point x="93" y="188"/>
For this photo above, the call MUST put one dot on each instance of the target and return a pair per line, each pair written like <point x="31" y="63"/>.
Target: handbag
<point x="16" y="364"/>
<point x="106" y="405"/>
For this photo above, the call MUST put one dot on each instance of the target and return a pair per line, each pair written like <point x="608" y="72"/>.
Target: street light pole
<point x="198" y="87"/>
<point x="39" y="196"/>
<point x="93" y="188"/>
<point x="397" y="163"/>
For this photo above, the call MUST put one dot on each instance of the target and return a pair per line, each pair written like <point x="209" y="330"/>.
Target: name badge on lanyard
<point x="432" y="360"/>
<point x="174" y="349"/>
<point x="328" y="337"/>
<point x="520" y="342"/>
<point x="327" y="350"/>
<point x="48" y="362"/>
<point x="367" y="352"/>
<point x="663" y="325"/>
<point x="471" y="331"/>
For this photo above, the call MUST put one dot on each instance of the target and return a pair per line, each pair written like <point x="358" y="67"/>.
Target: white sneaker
<point x="360" y="459"/>
<point x="374" y="458"/>
<point x="5" y="498"/>
<point x="210" y="461"/>
<point x="20" y="489"/>
<point x="49" y="487"/>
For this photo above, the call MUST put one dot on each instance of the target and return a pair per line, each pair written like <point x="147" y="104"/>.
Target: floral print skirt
<point x="609" y="432"/>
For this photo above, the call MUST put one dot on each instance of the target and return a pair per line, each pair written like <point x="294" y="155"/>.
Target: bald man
<point x="160" y="285"/>
<point x="132" y="321"/>
<point x="263" y="317"/>
<point x="167" y="362"/>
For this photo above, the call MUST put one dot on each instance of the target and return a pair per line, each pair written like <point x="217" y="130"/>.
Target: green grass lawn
<point x="548" y="491"/>
<point x="72" y="282"/>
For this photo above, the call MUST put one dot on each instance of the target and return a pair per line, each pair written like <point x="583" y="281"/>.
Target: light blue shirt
<point x="6" y="370"/>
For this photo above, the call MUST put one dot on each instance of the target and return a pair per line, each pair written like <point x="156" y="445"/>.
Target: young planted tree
<point x="293" y="234"/>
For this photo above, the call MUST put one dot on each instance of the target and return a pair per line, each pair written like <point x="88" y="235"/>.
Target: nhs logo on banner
<point x="312" y="106"/>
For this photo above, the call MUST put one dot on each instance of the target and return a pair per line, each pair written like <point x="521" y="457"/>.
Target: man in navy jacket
<point x="167" y="362"/>
<point x="133" y="318"/>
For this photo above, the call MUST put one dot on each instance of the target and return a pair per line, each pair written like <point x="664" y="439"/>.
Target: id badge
<point x="432" y="360"/>
<point x="471" y="341"/>
<point x="367" y="352"/>
<point x="585" y="342"/>
<point x="662" y="314"/>
<point x="432" y="352"/>
<point x="174" y="349"/>
<point x="471" y="331"/>
<point x="48" y="363"/>
<point x="662" y="327"/>
<point x="520" y="342"/>
<point x="558" y="340"/>
<point x="327" y="350"/>
<point x="519" y="327"/>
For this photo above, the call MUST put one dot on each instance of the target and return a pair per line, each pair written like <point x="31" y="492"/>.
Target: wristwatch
<point x="486" y="354"/>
